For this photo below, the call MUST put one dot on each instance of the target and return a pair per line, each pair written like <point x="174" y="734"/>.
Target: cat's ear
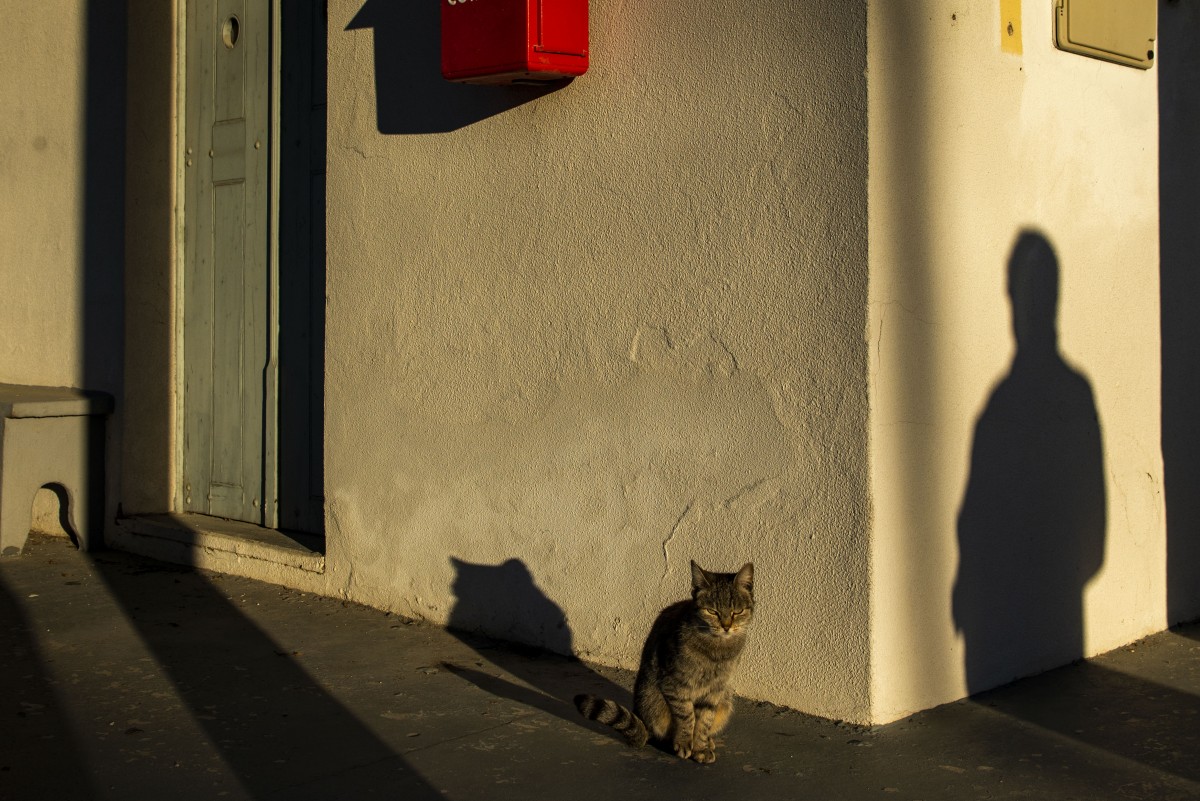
<point x="700" y="577"/>
<point x="745" y="578"/>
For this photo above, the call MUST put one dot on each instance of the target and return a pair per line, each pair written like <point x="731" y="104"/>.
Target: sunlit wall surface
<point x="1016" y="470"/>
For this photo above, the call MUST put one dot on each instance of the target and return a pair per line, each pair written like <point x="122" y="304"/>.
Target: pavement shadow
<point x="276" y="727"/>
<point x="33" y="717"/>
<point x="411" y="96"/>
<point x="1129" y="716"/>
<point x="1031" y="529"/>
<point x="533" y="642"/>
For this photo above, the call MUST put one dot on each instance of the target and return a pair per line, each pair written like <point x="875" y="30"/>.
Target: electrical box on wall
<point x="513" y="41"/>
<point x="1121" y="31"/>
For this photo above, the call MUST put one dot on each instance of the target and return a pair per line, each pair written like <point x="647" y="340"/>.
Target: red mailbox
<point x="511" y="41"/>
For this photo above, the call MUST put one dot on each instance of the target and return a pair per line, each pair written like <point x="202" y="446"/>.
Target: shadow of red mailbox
<point x="513" y="41"/>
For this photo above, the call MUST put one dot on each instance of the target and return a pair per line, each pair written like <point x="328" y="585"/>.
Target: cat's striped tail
<point x="610" y="713"/>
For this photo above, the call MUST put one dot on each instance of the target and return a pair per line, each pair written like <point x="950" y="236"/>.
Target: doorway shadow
<point x="33" y="716"/>
<point x="411" y="96"/>
<point x="276" y="727"/>
<point x="532" y="642"/>
<point x="1031" y="529"/>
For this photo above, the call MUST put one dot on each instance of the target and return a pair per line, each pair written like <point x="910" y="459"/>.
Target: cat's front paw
<point x="705" y="756"/>
<point x="683" y="749"/>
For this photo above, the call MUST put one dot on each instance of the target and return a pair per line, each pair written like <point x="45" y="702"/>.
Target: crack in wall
<point x="736" y="497"/>
<point x="666" y="546"/>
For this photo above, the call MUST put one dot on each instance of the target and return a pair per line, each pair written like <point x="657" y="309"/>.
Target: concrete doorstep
<point x="131" y="679"/>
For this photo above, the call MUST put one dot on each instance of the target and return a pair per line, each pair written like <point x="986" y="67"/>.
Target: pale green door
<point x="226" y="290"/>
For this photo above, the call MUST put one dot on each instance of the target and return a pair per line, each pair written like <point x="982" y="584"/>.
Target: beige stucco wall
<point x="606" y="331"/>
<point x="61" y="204"/>
<point x="969" y="146"/>
<point x="41" y="177"/>
<point x="41" y="193"/>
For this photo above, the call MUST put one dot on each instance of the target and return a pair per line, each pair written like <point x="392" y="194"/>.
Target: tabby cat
<point x="681" y="695"/>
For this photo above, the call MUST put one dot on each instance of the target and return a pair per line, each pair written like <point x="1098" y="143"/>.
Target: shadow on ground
<point x="129" y="679"/>
<point x="273" y="724"/>
<point x="504" y="598"/>
<point x="246" y="718"/>
<point x="1105" y="708"/>
<point x="33" y="715"/>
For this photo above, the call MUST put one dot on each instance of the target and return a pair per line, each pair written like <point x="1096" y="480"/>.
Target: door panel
<point x="226" y="278"/>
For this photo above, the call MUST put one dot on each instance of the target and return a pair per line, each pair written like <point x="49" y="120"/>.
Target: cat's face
<point x="724" y="602"/>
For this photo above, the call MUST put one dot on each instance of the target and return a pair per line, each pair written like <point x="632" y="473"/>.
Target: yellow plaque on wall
<point x="1120" y="31"/>
<point x="1010" y="26"/>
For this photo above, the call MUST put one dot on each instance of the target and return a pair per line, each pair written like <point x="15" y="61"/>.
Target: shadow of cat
<point x="528" y="638"/>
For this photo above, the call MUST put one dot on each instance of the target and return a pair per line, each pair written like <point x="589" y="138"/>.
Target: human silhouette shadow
<point x="411" y="96"/>
<point x="534" y="642"/>
<point x="1031" y="528"/>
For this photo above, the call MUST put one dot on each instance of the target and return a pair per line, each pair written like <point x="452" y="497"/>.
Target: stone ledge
<point x="211" y="535"/>
<point x="19" y="400"/>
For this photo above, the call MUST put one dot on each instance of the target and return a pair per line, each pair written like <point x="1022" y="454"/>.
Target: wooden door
<point x="254" y="277"/>
<point x="226" y="282"/>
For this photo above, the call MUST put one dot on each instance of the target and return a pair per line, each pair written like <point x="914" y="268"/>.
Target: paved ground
<point x="130" y="679"/>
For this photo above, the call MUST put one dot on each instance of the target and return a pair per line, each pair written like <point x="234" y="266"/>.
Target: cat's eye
<point x="741" y="613"/>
